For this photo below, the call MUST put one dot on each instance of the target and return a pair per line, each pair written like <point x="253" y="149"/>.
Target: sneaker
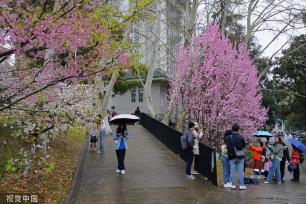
<point x="195" y="172"/>
<point x="242" y="187"/>
<point x="122" y="172"/>
<point x="279" y="183"/>
<point x="227" y="185"/>
<point x="266" y="182"/>
<point x="117" y="171"/>
<point x="191" y="177"/>
<point x="292" y="180"/>
<point x="233" y="187"/>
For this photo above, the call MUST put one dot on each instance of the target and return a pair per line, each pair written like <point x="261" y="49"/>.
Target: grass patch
<point x="247" y="173"/>
<point x="52" y="178"/>
<point x="10" y="151"/>
<point x="219" y="172"/>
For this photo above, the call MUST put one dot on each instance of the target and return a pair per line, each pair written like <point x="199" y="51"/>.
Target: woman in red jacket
<point x="296" y="157"/>
<point x="257" y="159"/>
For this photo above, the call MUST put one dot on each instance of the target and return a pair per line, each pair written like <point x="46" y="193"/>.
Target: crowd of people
<point x="269" y="158"/>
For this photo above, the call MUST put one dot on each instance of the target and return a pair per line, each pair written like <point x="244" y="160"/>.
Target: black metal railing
<point x="171" y="138"/>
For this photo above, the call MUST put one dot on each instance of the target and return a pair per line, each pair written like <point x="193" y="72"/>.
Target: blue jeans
<point x="226" y="169"/>
<point x="237" y="165"/>
<point x="189" y="159"/>
<point x="275" y="169"/>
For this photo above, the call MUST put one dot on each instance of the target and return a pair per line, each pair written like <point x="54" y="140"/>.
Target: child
<point x="93" y="138"/>
<point x="267" y="166"/>
<point x="257" y="163"/>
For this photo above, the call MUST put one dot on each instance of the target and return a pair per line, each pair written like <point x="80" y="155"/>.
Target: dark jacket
<point x="286" y="154"/>
<point x="234" y="140"/>
<point x="190" y="139"/>
<point x="137" y="112"/>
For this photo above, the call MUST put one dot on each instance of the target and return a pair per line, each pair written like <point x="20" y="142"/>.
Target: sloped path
<point x="153" y="175"/>
<point x="156" y="175"/>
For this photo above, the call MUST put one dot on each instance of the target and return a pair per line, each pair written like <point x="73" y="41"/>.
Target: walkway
<point x="153" y="175"/>
<point x="156" y="175"/>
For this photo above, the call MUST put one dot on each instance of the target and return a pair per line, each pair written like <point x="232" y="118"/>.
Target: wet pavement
<point x="156" y="175"/>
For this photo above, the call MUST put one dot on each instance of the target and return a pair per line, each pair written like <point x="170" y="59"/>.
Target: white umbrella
<point x="124" y="118"/>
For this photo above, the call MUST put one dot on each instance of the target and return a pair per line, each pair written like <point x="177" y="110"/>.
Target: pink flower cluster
<point x="50" y="45"/>
<point x="217" y="84"/>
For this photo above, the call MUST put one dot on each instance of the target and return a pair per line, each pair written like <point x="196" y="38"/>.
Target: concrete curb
<point x="77" y="177"/>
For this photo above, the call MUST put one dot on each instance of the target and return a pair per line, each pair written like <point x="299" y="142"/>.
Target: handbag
<point x="239" y="153"/>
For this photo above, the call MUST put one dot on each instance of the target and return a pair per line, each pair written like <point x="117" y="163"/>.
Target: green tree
<point x="290" y="83"/>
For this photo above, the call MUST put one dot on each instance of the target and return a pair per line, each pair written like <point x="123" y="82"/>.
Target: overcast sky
<point x="265" y="37"/>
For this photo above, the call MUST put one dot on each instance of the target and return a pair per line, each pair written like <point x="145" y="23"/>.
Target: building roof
<point x="157" y="75"/>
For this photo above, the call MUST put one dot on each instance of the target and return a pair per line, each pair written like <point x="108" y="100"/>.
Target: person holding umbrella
<point x="121" y="136"/>
<point x="296" y="159"/>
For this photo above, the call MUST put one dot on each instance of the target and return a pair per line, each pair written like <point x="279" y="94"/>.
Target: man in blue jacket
<point x="235" y="142"/>
<point x="189" y="150"/>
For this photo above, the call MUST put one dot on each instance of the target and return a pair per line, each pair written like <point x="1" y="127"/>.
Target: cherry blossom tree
<point x="48" y="42"/>
<point x="70" y="106"/>
<point x="217" y="84"/>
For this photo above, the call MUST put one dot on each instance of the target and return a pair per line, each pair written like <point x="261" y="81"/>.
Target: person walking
<point x="225" y="161"/>
<point x="257" y="159"/>
<point x="235" y="144"/>
<point x="296" y="159"/>
<point x="197" y="134"/>
<point x="102" y="134"/>
<point x="121" y="136"/>
<point x="108" y="115"/>
<point x="137" y="111"/>
<point x="285" y="158"/>
<point x="277" y="152"/>
<point x="189" y="139"/>
<point x="114" y="113"/>
<point x="93" y="138"/>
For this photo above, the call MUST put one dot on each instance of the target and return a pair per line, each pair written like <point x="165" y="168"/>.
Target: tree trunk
<point x="109" y="90"/>
<point x="156" y="32"/>
<point x="180" y="122"/>
<point x="249" y="27"/>
<point x="168" y="115"/>
<point x="148" y="84"/>
<point x="29" y="161"/>
<point x="224" y="14"/>
<point x="45" y="142"/>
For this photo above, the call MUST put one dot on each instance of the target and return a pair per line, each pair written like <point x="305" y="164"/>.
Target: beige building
<point x="164" y="32"/>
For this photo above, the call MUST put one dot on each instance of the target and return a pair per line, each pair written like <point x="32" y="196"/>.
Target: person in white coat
<point x="197" y="134"/>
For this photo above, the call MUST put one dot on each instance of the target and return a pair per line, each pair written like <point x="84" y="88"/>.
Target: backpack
<point x="184" y="142"/>
<point x="93" y="135"/>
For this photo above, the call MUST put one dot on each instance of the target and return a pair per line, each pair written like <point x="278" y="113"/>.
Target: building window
<point x="140" y="95"/>
<point x="133" y="95"/>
